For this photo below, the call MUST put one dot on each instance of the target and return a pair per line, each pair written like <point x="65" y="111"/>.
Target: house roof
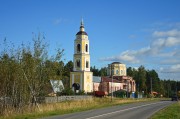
<point x="57" y="85"/>
<point x="123" y="77"/>
<point x="107" y="79"/>
<point x="96" y="79"/>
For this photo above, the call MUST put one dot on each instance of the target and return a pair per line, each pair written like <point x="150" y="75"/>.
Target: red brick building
<point x="108" y="85"/>
<point x="116" y="81"/>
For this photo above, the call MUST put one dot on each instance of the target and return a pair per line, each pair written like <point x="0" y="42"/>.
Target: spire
<point x="82" y="25"/>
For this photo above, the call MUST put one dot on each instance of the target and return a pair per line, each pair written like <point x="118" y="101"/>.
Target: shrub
<point x="67" y="91"/>
<point x="119" y="93"/>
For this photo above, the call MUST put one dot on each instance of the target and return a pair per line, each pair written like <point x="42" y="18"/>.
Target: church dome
<point x="116" y="63"/>
<point x="82" y="30"/>
<point x="81" y="33"/>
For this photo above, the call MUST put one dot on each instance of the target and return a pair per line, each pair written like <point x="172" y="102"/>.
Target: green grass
<point x="71" y="106"/>
<point x="170" y="112"/>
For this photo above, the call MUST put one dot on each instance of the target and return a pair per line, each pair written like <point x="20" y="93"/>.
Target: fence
<point x="64" y="98"/>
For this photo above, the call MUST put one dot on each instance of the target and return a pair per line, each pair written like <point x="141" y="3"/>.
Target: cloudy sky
<point x="132" y="32"/>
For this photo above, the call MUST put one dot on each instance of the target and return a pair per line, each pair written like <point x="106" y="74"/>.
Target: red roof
<point x="107" y="79"/>
<point x="122" y="77"/>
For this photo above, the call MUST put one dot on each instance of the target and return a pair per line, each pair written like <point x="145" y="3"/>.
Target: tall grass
<point x="66" y="107"/>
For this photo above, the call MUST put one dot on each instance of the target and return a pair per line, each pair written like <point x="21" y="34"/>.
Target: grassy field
<point x="69" y="107"/>
<point x="170" y="112"/>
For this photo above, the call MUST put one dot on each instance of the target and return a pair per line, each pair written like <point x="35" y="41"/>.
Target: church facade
<point x="81" y="78"/>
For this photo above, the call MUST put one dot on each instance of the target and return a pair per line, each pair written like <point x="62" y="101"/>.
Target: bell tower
<point x="81" y="74"/>
<point x="81" y="50"/>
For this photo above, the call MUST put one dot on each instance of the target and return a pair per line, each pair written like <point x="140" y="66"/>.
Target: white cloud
<point x="128" y="58"/>
<point x="166" y="42"/>
<point x="158" y="42"/>
<point x="172" y="41"/>
<point x="170" y="33"/>
<point x="123" y="57"/>
<point x="143" y="51"/>
<point x="170" y="61"/>
<point x="171" y="69"/>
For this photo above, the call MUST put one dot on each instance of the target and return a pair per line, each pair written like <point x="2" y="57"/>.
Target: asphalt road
<point x="141" y="110"/>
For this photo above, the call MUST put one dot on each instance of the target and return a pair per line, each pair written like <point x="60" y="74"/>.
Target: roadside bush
<point x="81" y="92"/>
<point x="119" y="93"/>
<point x="67" y="91"/>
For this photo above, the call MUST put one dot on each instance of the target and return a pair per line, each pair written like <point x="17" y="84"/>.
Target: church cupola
<point x="82" y="30"/>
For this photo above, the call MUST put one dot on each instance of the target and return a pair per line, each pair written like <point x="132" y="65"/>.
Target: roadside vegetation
<point x="170" y="112"/>
<point x="72" y="106"/>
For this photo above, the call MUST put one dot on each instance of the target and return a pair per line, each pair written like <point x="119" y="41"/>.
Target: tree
<point x="66" y="74"/>
<point x="25" y="74"/>
<point x="130" y="72"/>
<point x="68" y="68"/>
<point x="133" y="73"/>
<point x="103" y="71"/>
<point x="152" y="75"/>
<point x="95" y="71"/>
<point x="142" y="78"/>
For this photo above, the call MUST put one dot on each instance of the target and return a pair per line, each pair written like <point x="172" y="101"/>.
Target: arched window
<point x="121" y="72"/>
<point x="78" y="63"/>
<point x="112" y="71"/>
<point x="86" y="47"/>
<point x="117" y="71"/>
<point x="78" y="47"/>
<point x="87" y="64"/>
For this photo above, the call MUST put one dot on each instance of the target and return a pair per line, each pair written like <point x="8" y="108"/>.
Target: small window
<point x="78" y="47"/>
<point x="117" y="71"/>
<point x="87" y="64"/>
<point x="78" y="63"/>
<point x="112" y="72"/>
<point x="86" y="47"/>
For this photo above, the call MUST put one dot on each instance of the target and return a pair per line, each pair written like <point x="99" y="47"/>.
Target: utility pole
<point x="112" y="89"/>
<point x="138" y="89"/>
<point x="127" y="90"/>
<point x="168" y="90"/>
<point x="151" y="85"/>
<point x="111" y="84"/>
<point x="176" y="88"/>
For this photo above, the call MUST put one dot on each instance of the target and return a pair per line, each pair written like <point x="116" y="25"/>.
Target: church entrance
<point x="76" y="87"/>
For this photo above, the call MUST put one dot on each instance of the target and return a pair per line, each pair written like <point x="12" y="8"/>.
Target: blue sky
<point x="132" y="32"/>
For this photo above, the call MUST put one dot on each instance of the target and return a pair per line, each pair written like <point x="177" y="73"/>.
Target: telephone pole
<point x="151" y="85"/>
<point x="111" y="84"/>
<point x="176" y="88"/>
